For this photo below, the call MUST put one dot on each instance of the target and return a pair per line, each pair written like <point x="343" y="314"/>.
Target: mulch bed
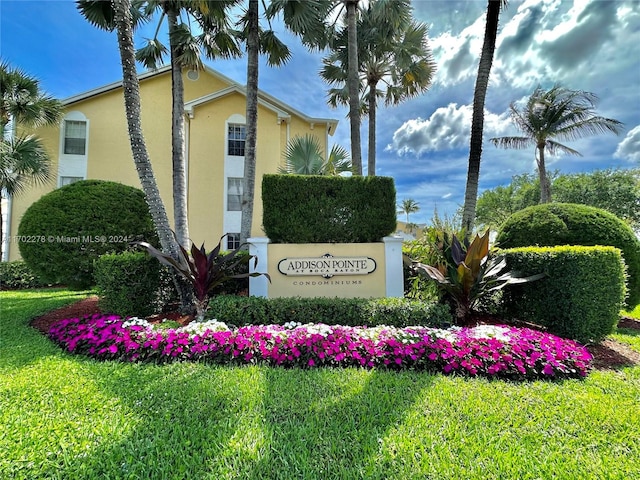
<point x="608" y="354"/>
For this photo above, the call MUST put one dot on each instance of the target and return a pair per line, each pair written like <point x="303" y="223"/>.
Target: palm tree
<point x="303" y="156"/>
<point x="23" y="159"/>
<point x="256" y="41"/>
<point x="121" y="19"/>
<point x="408" y="206"/>
<point x="477" y="120"/>
<point x="393" y="50"/>
<point x="354" y="86"/>
<point x="556" y="113"/>
<point x="311" y="20"/>
<point x="216" y="40"/>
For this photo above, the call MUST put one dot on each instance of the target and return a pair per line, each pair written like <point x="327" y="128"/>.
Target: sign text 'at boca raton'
<point x="326" y="266"/>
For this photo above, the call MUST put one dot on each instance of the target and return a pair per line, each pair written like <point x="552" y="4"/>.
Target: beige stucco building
<point x="92" y="142"/>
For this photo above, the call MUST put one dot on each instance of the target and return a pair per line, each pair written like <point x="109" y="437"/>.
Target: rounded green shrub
<point x="554" y="224"/>
<point x="65" y="231"/>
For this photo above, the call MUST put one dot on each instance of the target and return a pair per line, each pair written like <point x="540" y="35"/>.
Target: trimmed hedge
<point x="572" y="224"/>
<point x="128" y="283"/>
<point x="17" y="275"/>
<point x="580" y="298"/>
<point x="397" y="312"/>
<point x="322" y="209"/>
<point x="66" y="230"/>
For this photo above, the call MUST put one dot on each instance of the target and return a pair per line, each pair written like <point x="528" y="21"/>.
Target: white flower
<point x="450" y="335"/>
<point x="317" y="329"/>
<point x="198" y="328"/>
<point x="135" y="321"/>
<point x="489" y="331"/>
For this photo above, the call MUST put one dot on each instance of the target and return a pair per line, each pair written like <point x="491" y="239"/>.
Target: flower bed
<point x="492" y="351"/>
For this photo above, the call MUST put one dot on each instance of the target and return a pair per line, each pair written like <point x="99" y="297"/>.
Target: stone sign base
<point x="344" y="270"/>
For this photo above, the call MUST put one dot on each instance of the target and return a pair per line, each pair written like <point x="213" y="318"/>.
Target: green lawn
<point x="66" y="417"/>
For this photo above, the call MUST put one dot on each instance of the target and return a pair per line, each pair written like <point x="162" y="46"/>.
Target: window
<point x="233" y="241"/>
<point x="236" y="138"/>
<point x="69" y="180"/>
<point x="234" y="194"/>
<point x="75" y="137"/>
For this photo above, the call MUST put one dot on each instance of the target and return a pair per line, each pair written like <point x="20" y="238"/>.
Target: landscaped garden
<point x="71" y="416"/>
<point x="471" y="375"/>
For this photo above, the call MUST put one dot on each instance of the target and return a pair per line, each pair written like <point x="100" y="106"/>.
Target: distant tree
<point x="555" y="113"/>
<point x="412" y="227"/>
<point x="23" y="159"/>
<point x="303" y="156"/>
<point x="614" y="190"/>
<point x="495" y="205"/>
<point x="392" y="51"/>
<point x="409" y="206"/>
<point x="477" y="120"/>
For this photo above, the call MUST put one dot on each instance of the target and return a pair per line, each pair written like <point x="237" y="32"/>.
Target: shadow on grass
<point x="20" y="344"/>
<point x="632" y="332"/>
<point x="200" y="421"/>
<point x="189" y="420"/>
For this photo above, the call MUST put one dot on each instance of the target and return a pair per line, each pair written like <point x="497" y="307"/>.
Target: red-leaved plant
<point x="205" y="271"/>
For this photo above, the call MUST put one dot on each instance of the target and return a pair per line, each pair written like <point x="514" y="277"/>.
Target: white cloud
<point x="448" y="128"/>
<point x="629" y="148"/>
<point x="457" y="56"/>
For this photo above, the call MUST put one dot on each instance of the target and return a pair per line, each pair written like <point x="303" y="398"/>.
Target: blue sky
<point x="589" y="45"/>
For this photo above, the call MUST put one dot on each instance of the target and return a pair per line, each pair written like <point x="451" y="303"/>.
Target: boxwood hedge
<point x="580" y="297"/>
<point x="397" y="312"/>
<point x="571" y="224"/>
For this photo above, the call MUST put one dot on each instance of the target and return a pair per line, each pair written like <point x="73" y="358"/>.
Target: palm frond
<point x="152" y="53"/>
<point x="512" y="142"/>
<point x="23" y="162"/>
<point x="276" y="51"/>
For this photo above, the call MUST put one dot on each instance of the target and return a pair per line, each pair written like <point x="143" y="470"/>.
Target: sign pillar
<point x="393" y="260"/>
<point x="259" y="286"/>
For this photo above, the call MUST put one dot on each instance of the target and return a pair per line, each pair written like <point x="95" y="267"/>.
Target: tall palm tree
<point x="23" y="159"/>
<point x="354" y="86"/>
<point x="315" y="22"/>
<point x="556" y="113"/>
<point x="303" y="156"/>
<point x="121" y="17"/>
<point x="393" y="51"/>
<point x="185" y="47"/>
<point x="477" y="120"/>
<point x="256" y="41"/>
<point x="408" y="206"/>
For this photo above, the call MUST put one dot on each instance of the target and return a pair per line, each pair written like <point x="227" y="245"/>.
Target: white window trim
<point x="74" y="116"/>
<point x="70" y="165"/>
<point x="233" y="167"/>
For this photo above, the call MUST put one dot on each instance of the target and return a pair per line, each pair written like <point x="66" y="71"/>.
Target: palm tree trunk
<point x="477" y="120"/>
<point x="545" y="184"/>
<point x="252" y="121"/>
<point x="131" y="91"/>
<point x="371" y="161"/>
<point x="353" y="87"/>
<point x="180" y="215"/>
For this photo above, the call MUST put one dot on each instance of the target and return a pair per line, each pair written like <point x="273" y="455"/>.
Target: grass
<point x="67" y="417"/>
<point x="635" y="313"/>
